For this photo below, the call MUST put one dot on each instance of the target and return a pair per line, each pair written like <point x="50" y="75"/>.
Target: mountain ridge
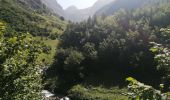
<point x="122" y="4"/>
<point x="83" y="14"/>
<point x="73" y="13"/>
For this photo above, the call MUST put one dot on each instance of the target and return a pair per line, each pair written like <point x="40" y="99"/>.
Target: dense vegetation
<point x="140" y="91"/>
<point x="23" y="58"/>
<point x="92" y="60"/>
<point x="31" y="16"/>
<point x="19" y="70"/>
<point x="106" y="50"/>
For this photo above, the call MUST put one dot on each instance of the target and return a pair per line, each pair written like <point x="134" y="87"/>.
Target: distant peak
<point x="72" y="8"/>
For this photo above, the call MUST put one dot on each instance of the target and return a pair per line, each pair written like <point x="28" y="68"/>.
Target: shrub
<point x="140" y="91"/>
<point x="162" y="57"/>
<point x="20" y="76"/>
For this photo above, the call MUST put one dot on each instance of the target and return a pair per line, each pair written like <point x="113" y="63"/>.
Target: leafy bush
<point x="140" y="91"/>
<point x="162" y="57"/>
<point x="20" y="76"/>
<point x="71" y="59"/>
<point x="168" y="96"/>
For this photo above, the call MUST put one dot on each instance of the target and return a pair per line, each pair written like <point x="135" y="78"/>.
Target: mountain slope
<point x="53" y="5"/>
<point x="122" y="4"/>
<point x="31" y="4"/>
<point x="30" y="16"/>
<point x="99" y="4"/>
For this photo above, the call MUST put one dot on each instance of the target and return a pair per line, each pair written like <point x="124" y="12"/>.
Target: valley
<point x="113" y="50"/>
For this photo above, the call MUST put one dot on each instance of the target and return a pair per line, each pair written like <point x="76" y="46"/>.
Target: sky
<point x="80" y="4"/>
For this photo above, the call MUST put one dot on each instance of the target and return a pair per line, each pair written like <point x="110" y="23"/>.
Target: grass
<point x="168" y="95"/>
<point x="60" y="26"/>
<point x="80" y="92"/>
<point x="48" y="57"/>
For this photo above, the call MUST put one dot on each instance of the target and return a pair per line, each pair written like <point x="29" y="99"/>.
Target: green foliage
<point x="162" y="57"/>
<point x="168" y="95"/>
<point x="165" y="35"/>
<point x="20" y="76"/>
<point x="90" y="51"/>
<point x="31" y="16"/>
<point x="74" y="58"/>
<point x="72" y="61"/>
<point x="50" y="48"/>
<point x="114" y="46"/>
<point x="80" y="92"/>
<point x="140" y="91"/>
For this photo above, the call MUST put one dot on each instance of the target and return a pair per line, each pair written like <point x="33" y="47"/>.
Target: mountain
<point x="72" y="8"/>
<point x="78" y="15"/>
<point x="51" y="7"/>
<point x="116" y="5"/>
<point x="34" y="4"/>
<point x="54" y="6"/>
<point x="101" y="7"/>
<point x="74" y="14"/>
<point x="31" y="16"/>
<point x="100" y="4"/>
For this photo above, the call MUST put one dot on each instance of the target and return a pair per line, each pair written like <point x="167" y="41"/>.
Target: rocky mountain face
<point x="54" y="6"/>
<point x="31" y="4"/>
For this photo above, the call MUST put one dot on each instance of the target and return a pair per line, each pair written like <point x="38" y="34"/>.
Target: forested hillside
<point x="31" y="16"/>
<point x="18" y="67"/>
<point x="121" y="53"/>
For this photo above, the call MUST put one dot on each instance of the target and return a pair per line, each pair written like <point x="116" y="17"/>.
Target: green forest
<point x="122" y="56"/>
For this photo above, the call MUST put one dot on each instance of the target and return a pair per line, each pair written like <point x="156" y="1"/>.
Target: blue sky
<point x="78" y="3"/>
